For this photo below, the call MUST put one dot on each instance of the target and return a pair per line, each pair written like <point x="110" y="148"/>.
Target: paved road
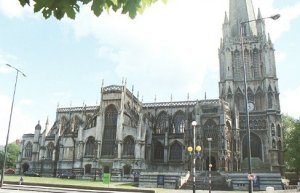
<point x="8" y="188"/>
<point x="42" y="189"/>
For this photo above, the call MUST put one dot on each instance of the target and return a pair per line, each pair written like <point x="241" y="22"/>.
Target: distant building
<point x="123" y="135"/>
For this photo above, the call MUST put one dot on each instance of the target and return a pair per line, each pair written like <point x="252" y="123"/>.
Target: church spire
<point x="239" y="11"/>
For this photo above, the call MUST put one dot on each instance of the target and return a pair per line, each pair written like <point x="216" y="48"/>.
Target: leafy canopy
<point x="292" y="143"/>
<point x="60" y="8"/>
<point x="12" y="155"/>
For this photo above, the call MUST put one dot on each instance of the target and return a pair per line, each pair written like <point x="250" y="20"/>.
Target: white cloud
<point x="13" y="8"/>
<point x="283" y="24"/>
<point x="21" y="122"/>
<point x="288" y="102"/>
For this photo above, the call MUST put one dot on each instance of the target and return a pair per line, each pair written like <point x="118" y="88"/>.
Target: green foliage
<point x="12" y="155"/>
<point x="292" y="143"/>
<point x="60" y="8"/>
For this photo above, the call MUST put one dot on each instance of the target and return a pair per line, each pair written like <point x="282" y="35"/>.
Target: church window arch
<point x="256" y="64"/>
<point x="250" y="95"/>
<point x="237" y="65"/>
<point x="28" y="150"/>
<point x="270" y="98"/>
<point x="128" y="146"/>
<point x="162" y="122"/>
<point x="210" y="131"/>
<point x="90" y="147"/>
<point x="256" y="146"/>
<point x="109" y="134"/>
<point x="178" y="122"/>
<point x="176" y="151"/>
<point x="259" y="99"/>
<point x="278" y="128"/>
<point x="158" y="151"/>
<point x="247" y="62"/>
<point x="272" y="129"/>
<point x="239" y="100"/>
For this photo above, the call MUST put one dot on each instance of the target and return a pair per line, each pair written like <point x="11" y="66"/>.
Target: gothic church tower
<point x="262" y="90"/>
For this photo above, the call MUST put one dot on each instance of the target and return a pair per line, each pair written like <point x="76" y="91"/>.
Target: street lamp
<point x="8" y="129"/>
<point x="42" y="165"/>
<point x="247" y="106"/>
<point x="209" y="162"/>
<point x="193" y="151"/>
<point x="95" y="165"/>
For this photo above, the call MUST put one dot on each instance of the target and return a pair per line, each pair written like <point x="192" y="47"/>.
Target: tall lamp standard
<point x="8" y="129"/>
<point x="247" y="104"/>
<point x="193" y="151"/>
<point x="209" y="160"/>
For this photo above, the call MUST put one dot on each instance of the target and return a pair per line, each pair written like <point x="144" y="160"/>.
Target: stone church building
<point x="124" y="136"/>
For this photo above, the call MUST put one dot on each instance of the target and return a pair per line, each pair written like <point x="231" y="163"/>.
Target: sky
<point x="169" y="50"/>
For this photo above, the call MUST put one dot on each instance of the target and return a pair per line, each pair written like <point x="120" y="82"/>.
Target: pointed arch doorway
<point x="213" y="163"/>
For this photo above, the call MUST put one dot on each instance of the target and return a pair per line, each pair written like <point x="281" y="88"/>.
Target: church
<point x="125" y="137"/>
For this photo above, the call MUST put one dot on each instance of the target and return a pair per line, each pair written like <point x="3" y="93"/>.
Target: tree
<point x="292" y="143"/>
<point x="12" y="155"/>
<point x="58" y="8"/>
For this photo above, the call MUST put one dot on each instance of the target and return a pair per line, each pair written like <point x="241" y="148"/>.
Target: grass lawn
<point x="60" y="181"/>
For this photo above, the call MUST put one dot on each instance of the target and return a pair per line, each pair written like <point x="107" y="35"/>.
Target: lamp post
<point x="9" y="123"/>
<point x="209" y="162"/>
<point x="193" y="150"/>
<point x="247" y="106"/>
<point x="42" y="165"/>
<point x="95" y="165"/>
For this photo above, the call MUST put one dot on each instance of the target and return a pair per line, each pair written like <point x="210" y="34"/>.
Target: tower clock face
<point x="250" y="106"/>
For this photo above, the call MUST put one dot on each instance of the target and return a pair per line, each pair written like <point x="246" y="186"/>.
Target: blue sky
<point x="172" y="49"/>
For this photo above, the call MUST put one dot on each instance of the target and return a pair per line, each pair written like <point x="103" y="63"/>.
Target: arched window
<point x="259" y="99"/>
<point x="278" y="131"/>
<point x="158" y="151"/>
<point x="256" y="147"/>
<point x="270" y="97"/>
<point x="239" y="100"/>
<point x="178" y="123"/>
<point x="162" y="123"/>
<point x="128" y="146"/>
<point x="273" y="129"/>
<point x="210" y="131"/>
<point x="110" y="128"/>
<point x="90" y="147"/>
<point x="250" y="95"/>
<point x="50" y="149"/>
<point x="237" y="65"/>
<point x="176" y="152"/>
<point x="256" y="64"/>
<point x="28" y="150"/>
<point x="247" y="62"/>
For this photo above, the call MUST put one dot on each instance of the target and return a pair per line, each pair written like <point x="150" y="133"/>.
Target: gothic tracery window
<point x="128" y="146"/>
<point x="237" y="65"/>
<point x="176" y="152"/>
<point x="179" y="122"/>
<point x="28" y="150"/>
<point x="210" y="131"/>
<point x="158" y="151"/>
<point x="162" y="122"/>
<point x="90" y="147"/>
<point x="256" y="65"/>
<point x="109" y="134"/>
